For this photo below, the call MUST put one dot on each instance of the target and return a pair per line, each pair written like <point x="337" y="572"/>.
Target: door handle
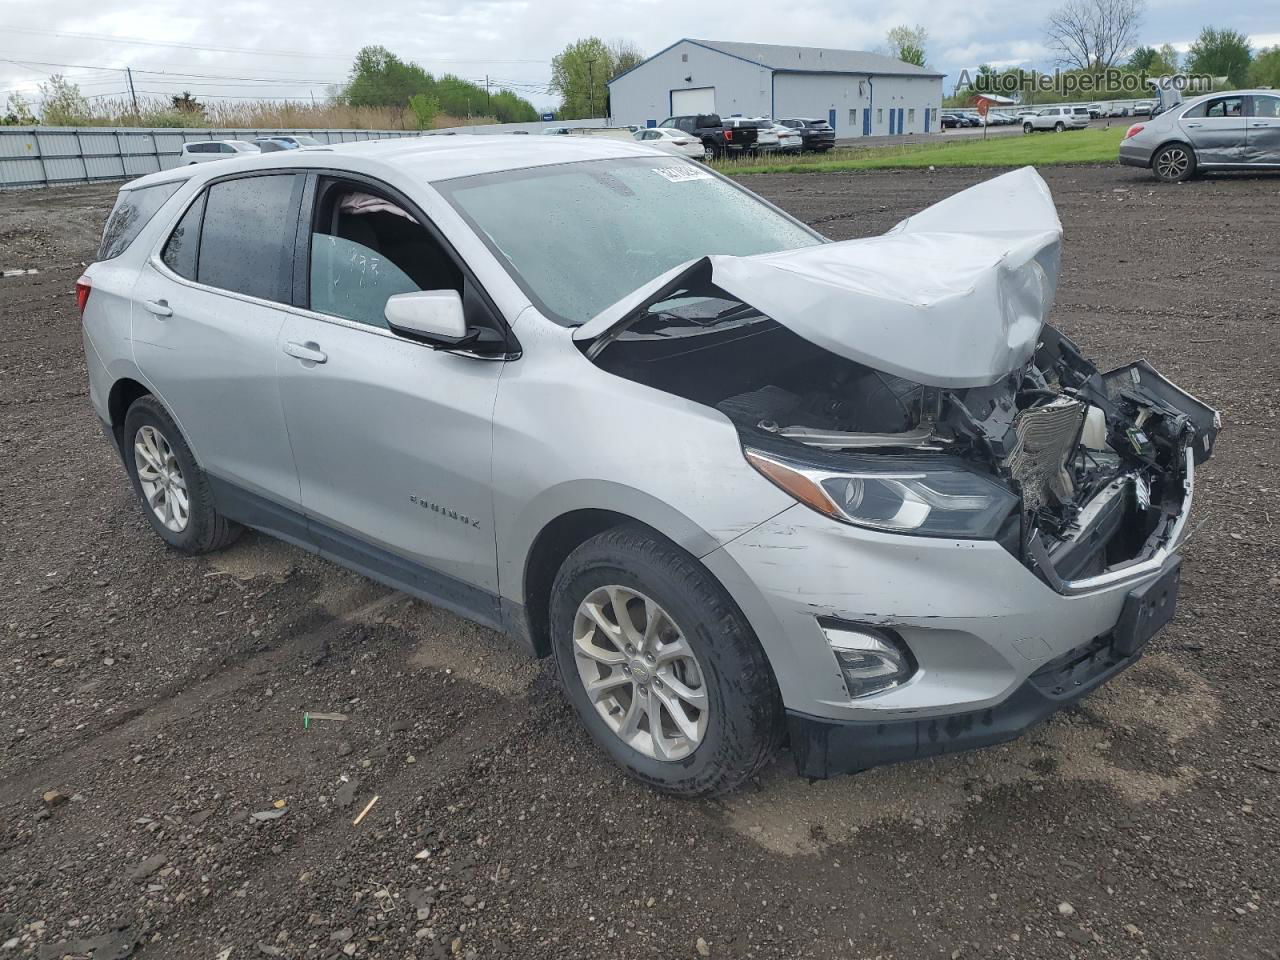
<point x="160" y="308"/>
<point x="310" y="352"/>
<point x="1193" y="125"/>
<point x="1260" y="123"/>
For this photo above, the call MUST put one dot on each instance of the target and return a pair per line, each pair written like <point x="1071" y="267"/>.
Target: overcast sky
<point x="301" y="47"/>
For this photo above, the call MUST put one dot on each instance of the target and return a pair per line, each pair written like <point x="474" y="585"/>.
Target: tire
<point x="742" y="727"/>
<point x="1174" y="163"/>
<point x="1059" y="127"/>
<point x="150" y="434"/>
<point x="1028" y="128"/>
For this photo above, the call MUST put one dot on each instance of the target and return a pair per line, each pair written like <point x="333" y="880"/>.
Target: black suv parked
<point x="814" y="134"/>
<point x="715" y="136"/>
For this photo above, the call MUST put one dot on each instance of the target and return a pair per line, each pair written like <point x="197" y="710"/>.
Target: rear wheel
<point x="171" y="487"/>
<point x="1173" y="163"/>
<point x="661" y="666"/>
<point x="1027" y="127"/>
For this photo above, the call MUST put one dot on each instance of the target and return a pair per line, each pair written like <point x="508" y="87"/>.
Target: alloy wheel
<point x="160" y="477"/>
<point x="640" y="673"/>
<point x="1172" y="163"/>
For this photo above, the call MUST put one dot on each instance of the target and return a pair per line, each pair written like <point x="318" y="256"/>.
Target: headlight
<point x="944" y="502"/>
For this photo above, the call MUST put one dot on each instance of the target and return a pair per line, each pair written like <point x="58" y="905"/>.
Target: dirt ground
<point x="193" y="814"/>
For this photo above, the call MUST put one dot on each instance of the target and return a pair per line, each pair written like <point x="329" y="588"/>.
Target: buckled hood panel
<point x="954" y="296"/>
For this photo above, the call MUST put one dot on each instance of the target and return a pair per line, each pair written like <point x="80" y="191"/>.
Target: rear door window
<point x="1263" y="106"/>
<point x="246" y="240"/>
<point x="133" y="211"/>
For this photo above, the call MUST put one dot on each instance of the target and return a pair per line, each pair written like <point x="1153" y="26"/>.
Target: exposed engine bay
<point x="1072" y="470"/>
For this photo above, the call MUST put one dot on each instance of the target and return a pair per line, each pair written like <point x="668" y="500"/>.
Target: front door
<point x="1263" y="130"/>
<point x="205" y="329"/>
<point x="392" y="439"/>
<point x="1216" y="128"/>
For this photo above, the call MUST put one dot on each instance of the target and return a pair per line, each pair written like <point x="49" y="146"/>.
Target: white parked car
<point x="766" y="136"/>
<point x="1057" y="119"/>
<point x="673" y="141"/>
<point x="202" y="151"/>
<point x="789" y="139"/>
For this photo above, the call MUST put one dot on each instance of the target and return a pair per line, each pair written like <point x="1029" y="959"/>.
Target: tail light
<point x="1133" y="131"/>
<point x="83" y="288"/>
<point x="728" y="136"/>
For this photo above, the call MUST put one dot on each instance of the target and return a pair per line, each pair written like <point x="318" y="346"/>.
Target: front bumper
<point x="825" y="748"/>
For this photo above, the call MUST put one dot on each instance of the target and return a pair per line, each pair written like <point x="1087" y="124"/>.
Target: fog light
<point x="871" y="660"/>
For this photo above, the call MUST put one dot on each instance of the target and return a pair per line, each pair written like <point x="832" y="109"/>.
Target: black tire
<point x="745" y="721"/>
<point x="1059" y="127"/>
<point x="1028" y="128"/>
<point x="1174" y="163"/>
<point x="206" y="529"/>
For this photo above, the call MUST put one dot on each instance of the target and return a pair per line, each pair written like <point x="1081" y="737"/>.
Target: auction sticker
<point x="682" y="173"/>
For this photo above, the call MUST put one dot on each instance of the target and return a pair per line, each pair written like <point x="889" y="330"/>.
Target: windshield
<point x="577" y="237"/>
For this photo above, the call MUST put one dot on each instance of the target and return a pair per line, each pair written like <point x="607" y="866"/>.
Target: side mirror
<point x="433" y="317"/>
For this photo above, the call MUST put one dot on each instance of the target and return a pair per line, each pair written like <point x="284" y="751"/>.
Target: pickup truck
<point x="718" y="137"/>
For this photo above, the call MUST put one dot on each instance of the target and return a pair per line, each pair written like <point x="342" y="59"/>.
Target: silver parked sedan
<point x="746" y="485"/>
<point x="1223" y="131"/>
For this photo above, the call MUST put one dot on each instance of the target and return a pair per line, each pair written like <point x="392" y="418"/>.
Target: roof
<point x="788" y="59"/>
<point x="422" y="159"/>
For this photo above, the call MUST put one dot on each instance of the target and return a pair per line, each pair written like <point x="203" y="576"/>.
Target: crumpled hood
<point x="954" y="296"/>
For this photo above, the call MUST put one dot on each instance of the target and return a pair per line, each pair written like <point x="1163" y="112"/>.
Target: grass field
<point x="1037" y="149"/>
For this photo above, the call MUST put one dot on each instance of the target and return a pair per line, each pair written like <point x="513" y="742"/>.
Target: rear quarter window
<point x="133" y="211"/>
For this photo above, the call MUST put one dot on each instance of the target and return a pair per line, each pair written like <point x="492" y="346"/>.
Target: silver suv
<point x="746" y="485"/>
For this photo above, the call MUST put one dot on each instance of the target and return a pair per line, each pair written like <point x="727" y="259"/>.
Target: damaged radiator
<point x="1046" y="440"/>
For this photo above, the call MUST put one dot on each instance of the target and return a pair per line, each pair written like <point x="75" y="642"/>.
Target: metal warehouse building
<point x="860" y="94"/>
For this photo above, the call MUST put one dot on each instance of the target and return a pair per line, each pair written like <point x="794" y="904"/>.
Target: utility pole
<point x="132" y="93"/>
<point x="488" y="100"/>
<point x="591" y="85"/>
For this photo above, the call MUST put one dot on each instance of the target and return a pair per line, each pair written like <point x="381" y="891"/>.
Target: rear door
<point x="206" y="319"/>
<point x="1216" y="128"/>
<point x="1262" y="137"/>
<point x="392" y="439"/>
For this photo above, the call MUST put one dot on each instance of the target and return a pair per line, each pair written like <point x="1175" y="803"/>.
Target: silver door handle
<point x="160" y="308"/>
<point x="1193" y="125"/>
<point x="1260" y="123"/>
<point x="306" y="351"/>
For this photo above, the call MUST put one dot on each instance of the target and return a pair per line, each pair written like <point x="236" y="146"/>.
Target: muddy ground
<point x="161" y="698"/>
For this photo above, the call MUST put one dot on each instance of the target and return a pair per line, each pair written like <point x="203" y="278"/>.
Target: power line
<point x="106" y="38"/>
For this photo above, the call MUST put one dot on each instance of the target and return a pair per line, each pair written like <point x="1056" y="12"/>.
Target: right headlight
<point x="946" y="501"/>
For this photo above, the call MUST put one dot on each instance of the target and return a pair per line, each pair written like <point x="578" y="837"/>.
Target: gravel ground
<point x="160" y="793"/>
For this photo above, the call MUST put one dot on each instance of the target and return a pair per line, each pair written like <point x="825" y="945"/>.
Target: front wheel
<point x="1059" y="127"/>
<point x="661" y="666"/>
<point x="1173" y="163"/>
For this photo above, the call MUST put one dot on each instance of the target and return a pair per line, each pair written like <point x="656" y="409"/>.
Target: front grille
<point x="1046" y="440"/>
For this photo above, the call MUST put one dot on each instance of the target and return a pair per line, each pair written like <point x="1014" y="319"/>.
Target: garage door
<point x="697" y="100"/>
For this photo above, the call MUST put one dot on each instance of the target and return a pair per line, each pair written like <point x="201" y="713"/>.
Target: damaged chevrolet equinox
<point x="749" y="487"/>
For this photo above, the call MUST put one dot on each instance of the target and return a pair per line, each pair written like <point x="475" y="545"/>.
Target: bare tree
<point x="623" y="55"/>
<point x="1092" y="34"/>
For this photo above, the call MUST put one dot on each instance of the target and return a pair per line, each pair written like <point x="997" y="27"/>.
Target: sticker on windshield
<point x="682" y="173"/>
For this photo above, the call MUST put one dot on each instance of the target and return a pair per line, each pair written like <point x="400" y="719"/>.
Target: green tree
<point x="1265" y="69"/>
<point x="17" y="112"/>
<point x="1169" y="57"/>
<point x="1142" y="58"/>
<point x="908" y="43"/>
<point x="580" y="74"/>
<point x="381" y="79"/>
<point x="62" y="104"/>
<point x="425" y="109"/>
<point x="186" y="103"/>
<point x="1221" y="53"/>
